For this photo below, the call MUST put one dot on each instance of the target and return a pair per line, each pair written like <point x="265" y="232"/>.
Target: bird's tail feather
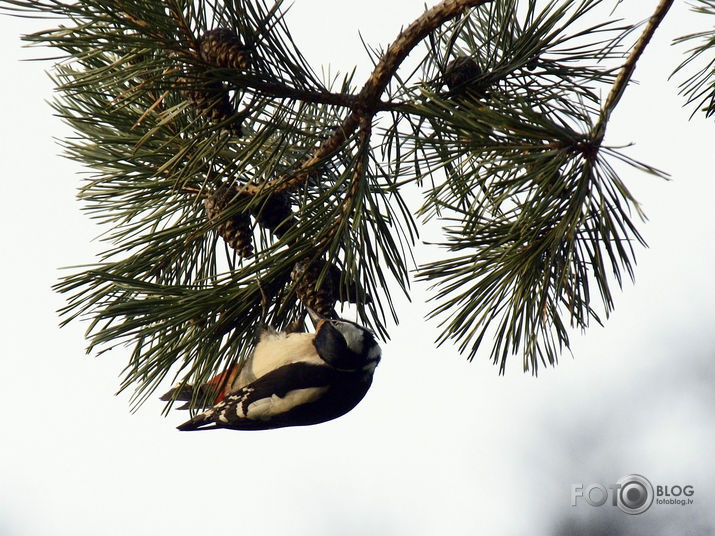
<point x="211" y="392"/>
<point x="199" y="422"/>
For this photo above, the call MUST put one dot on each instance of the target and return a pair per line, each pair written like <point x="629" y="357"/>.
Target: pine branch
<point x="232" y="199"/>
<point x="537" y="216"/>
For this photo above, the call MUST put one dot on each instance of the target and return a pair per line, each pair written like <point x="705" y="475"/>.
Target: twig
<point x="626" y="72"/>
<point x="346" y="100"/>
<point x="279" y="90"/>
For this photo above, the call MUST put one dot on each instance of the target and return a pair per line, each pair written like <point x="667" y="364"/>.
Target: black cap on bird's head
<point x="344" y="344"/>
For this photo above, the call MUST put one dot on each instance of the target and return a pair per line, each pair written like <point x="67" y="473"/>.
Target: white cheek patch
<point x="370" y="367"/>
<point x="267" y="408"/>
<point x="374" y="354"/>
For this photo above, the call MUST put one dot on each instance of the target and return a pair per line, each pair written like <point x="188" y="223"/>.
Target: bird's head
<point x="345" y="345"/>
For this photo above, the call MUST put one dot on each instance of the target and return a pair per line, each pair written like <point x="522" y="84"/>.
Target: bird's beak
<point x="314" y="316"/>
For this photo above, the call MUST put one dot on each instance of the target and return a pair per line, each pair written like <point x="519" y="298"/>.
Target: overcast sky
<point x="439" y="445"/>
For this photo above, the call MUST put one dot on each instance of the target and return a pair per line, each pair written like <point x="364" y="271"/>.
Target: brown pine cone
<point x="236" y="230"/>
<point x="459" y="72"/>
<point x="210" y="98"/>
<point x="223" y="48"/>
<point x="320" y="299"/>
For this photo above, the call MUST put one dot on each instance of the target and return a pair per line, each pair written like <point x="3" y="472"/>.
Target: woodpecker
<point x="294" y="379"/>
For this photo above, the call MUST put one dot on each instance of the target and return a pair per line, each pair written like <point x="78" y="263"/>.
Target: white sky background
<point x="439" y="445"/>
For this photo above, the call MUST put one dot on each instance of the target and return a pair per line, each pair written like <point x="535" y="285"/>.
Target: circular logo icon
<point x="635" y="494"/>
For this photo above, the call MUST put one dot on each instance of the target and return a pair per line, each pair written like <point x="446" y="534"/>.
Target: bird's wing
<point x="268" y="399"/>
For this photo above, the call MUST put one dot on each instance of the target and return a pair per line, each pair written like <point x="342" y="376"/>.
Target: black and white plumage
<point x="297" y="379"/>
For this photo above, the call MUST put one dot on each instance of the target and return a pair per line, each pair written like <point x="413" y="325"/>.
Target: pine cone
<point x="275" y="214"/>
<point x="211" y="100"/>
<point x="236" y="231"/>
<point x="459" y="72"/>
<point x="321" y="300"/>
<point x="223" y="48"/>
